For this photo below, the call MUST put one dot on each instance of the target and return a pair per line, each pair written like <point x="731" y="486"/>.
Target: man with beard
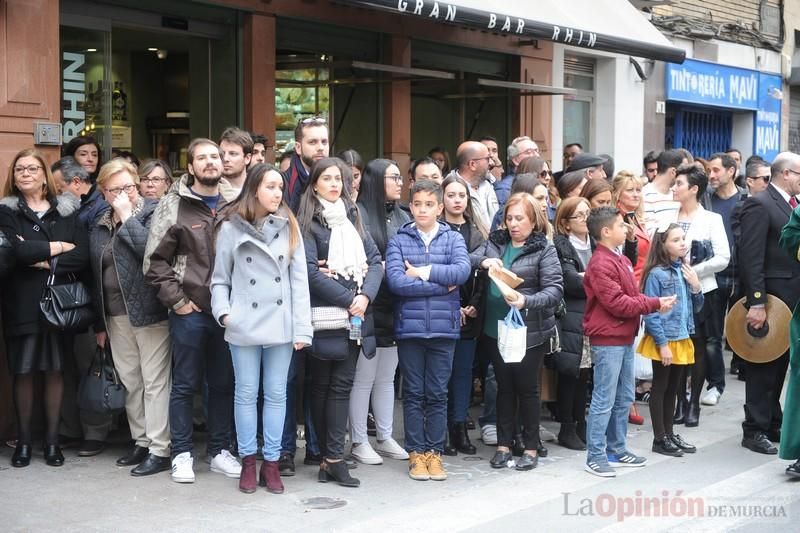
<point x="179" y="260"/>
<point x="311" y="144"/>
<point x="259" y="149"/>
<point x="237" y="150"/>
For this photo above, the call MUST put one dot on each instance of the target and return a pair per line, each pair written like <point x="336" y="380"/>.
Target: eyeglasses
<point x="314" y="120"/>
<point x="488" y="159"/>
<point x="30" y="169"/>
<point x="545" y="173"/>
<point x="793" y="171"/>
<point x="579" y="216"/>
<point x="154" y="180"/>
<point x="119" y="190"/>
<point x="765" y="178"/>
<point x="530" y="151"/>
<point x="397" y="178"/>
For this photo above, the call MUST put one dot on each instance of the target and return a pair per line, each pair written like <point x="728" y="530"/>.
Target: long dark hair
<point x="310" y="207"/>
<point x="247" y="202"/>
<point x="372" y="199"/>
<point x="658" y="255"/>
<point x="351" y="159"/>
<point x="82" y="140"/>
<point x="469" y="211"/>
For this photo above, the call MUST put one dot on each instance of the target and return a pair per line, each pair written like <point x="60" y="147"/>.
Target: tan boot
<point x="417" y="467"/>
<point x="435" y="468"/>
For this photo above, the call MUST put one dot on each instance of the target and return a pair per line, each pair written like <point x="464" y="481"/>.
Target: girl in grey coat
<point x="259" y="293"/>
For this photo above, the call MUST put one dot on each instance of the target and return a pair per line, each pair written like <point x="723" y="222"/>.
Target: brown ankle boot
<point x="247" y="479"/>
<point x="271" y="477"/>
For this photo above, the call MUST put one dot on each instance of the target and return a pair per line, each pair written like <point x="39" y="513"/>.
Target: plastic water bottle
<point x="355" y="329"/>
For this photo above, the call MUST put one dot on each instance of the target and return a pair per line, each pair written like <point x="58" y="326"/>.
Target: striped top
<point x="658" y="208"/>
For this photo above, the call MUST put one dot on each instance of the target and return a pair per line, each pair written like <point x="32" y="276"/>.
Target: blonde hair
<point x="532" y="210"/>
<point x="619" y="183"/>
<point x="49" y="187"/>
<point x="114" y="167"/>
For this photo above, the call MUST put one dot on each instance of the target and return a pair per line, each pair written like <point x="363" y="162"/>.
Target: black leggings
<point x="571" y="397"/>
<point x="663" y="395"/>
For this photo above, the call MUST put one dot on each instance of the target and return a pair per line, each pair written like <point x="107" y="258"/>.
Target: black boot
<point x="680" y="410"/>
<point x="568" y="437"/>
<point x="517" y="446"/>
<point x="460" y="439"/>
<point x="580" y="429"/>
<point x="337" y="472"/>
<point x="693" y="414"/>
<point x="449" y="443"/>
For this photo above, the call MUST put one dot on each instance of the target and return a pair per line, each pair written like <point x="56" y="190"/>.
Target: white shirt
<point x="484" y="201"/>
<point x="659" y="208"/>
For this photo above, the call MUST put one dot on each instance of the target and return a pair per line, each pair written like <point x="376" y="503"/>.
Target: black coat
<point x="6" y="255"/>
<point x="383" y="306"/>
<point x="472" y="292"/>
<point x="543" y="283"/>
<point x="339" y="292"/>
<point x="764" y="268"/>
<point x="30" y="238"/>
<point x="571" y="325"/>
<point x="129" y="241"/>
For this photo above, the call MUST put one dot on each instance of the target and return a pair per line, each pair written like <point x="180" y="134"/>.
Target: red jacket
<point x="614" y="304"/>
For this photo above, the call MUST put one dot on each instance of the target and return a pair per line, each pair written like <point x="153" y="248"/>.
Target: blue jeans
<point x="612" y="396"/>
<point x="426" y="365"/>
<point x="270" y="366"/>
<point x="289" y="439"/>
<point x="489" y="416"/>
<point x="460" y="390"/>
<point x="199" y="350"/>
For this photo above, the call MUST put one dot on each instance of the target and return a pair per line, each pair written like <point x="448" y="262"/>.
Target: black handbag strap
<point x="52" y="277"/>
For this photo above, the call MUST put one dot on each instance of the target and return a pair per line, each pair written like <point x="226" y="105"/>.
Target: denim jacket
<point x="677" y="324"/>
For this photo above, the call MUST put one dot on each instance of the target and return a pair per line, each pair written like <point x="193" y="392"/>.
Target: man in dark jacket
<point x="425" y="264"/>
<point x="311" y="145"/>
<point x="72" y="178"/>
<point x="179" y="260"/>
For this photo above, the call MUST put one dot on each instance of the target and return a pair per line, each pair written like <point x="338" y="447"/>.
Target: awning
<point x="608" y="25"/>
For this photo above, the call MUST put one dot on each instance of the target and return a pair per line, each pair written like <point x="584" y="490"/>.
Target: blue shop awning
<point x="608" y="25"/>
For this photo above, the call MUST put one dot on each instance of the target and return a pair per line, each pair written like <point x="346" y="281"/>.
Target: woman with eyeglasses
<point x="41" y="226"/>
<point x="539" y="167"/>
<point x="382" y="216"/>
<point x="155" y="179"/>
<point x="135" y="322"/>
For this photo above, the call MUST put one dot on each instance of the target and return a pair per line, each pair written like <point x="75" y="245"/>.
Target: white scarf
<point x="579" y="244"/>
<point x="346" y="255"/>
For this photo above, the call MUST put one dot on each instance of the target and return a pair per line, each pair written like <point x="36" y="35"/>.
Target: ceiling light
<point x="152" y="49"/>
<point x="91" y="49"/>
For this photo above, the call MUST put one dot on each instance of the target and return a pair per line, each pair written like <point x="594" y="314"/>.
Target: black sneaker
<point x="665" y="446"/>
<point x="678" y="441"/>
<point x="286" y="465"/>
<point x="312" y="459"/>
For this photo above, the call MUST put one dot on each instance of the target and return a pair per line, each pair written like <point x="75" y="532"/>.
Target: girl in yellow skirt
<point x="667" y="335"/>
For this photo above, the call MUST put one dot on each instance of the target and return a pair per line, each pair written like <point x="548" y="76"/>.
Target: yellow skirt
<point x="682" y="350"/>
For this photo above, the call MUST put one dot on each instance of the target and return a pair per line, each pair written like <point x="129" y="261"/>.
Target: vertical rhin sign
<point x="73" y="94"/>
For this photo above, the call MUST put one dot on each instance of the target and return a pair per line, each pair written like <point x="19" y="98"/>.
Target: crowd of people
<point x="336" y="283"/>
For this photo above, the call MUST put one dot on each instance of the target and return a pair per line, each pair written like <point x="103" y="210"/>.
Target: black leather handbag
<point x="68" y="306"/>
<point x="101" y="390"/>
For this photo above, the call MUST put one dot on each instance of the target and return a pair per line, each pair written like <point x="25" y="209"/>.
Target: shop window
<point x="579" y="74"/>
<point x="299" y="93"/>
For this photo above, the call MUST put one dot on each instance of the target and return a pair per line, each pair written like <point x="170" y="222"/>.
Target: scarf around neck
<point x="346" y="256"/>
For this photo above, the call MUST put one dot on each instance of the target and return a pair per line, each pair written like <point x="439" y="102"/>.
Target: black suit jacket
<point x="764" y="268"/>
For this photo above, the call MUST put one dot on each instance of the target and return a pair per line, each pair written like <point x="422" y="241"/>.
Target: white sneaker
<point x="225" y="463"/>
<point x="489" y="434"/>
<point x="389" y="448"/>
<point x="182" y="468"/>
<point x="363" y="453"/>
<point x="711" y="397"/>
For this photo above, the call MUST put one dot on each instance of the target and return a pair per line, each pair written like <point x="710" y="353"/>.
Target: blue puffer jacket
<point x="427" y="309"/>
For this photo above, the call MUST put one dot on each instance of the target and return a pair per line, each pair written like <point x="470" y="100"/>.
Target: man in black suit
<point x="766" y="269"/>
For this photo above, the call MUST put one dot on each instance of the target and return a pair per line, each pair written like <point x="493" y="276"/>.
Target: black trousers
<point x="331" y="382"/>
<point x="518" y="384"/>
<point x="571" y="396"/>
<point x="762" y="408"/>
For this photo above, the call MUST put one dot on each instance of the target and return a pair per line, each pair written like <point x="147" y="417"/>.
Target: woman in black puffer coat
<point x="522" y="248"/>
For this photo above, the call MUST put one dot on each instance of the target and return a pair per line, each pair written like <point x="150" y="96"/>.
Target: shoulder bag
<point x="68" y="306"/>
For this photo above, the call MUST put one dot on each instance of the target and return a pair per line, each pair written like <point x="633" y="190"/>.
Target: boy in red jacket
<point x="614" y="307"/>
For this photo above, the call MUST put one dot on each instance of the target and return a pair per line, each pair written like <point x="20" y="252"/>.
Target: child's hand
<point x="411" y="270"/>
<point x="667" y="302"/>
<point x="666" y="355"/>
<point x="691" y="278"/>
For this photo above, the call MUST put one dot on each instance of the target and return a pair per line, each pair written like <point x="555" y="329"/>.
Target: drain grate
<point x="322" y="503"/>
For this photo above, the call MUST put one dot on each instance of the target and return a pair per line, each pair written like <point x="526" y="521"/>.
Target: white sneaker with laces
<point x="182" y="468"/>
<point x="489" y="434"/>
<point x="225" y="463"/>
<point x="363" y="453"/>
<point x="389" y="448"/>
<point x="711" y="397"/>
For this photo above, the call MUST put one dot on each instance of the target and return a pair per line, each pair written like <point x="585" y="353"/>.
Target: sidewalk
<point x="94" y="494"/>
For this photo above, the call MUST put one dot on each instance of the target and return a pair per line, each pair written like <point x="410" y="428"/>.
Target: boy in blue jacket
<point x="425" y="263"/>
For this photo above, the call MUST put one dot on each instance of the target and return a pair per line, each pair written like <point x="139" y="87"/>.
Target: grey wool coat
<point x="260" y="284"/>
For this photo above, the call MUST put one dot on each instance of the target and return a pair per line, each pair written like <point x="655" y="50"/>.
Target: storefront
<point x="712" y="107"/>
